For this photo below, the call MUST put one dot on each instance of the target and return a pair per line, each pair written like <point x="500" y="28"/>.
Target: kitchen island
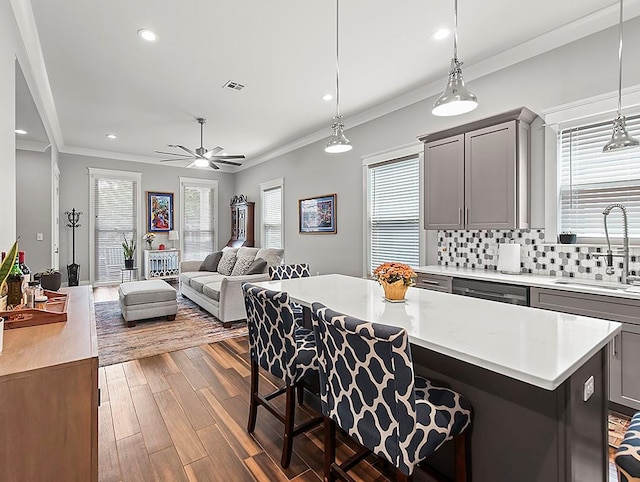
<point x="524" y="370"/>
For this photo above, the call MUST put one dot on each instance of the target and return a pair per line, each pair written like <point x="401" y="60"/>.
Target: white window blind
<point x="116" y="217"/>
<point x="272" y="217"/>
<point x="198" y="222"/>
<point x="394" y="212"/>
<point x="590" y="180"/>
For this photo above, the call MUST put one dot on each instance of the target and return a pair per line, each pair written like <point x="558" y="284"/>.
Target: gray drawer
<point x="596" y="306"/>
<point x="434" y="282"/>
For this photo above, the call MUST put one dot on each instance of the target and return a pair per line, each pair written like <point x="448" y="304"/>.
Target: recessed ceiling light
<point x="112" y="136"/>
<point x="441" y="34"/>
<point x="20" y="131"/>
<point x="147" y="35"/>
<point x="327" y="97"/>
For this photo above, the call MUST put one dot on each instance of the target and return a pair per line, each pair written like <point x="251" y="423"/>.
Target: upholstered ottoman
<point x="140" y="300"/>
<point x="628" y="455"/>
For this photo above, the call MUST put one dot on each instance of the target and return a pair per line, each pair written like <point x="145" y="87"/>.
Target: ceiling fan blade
<point x="185" y="149"/>
<point x="213" y="158"/>
<point x="170" y="153"/>
<point x="191" y="164"/>
<point x="221" y="161"/>
<point x="177" y="159"/>
<point x="213" y="166"/>
<point x="212" y="152"/>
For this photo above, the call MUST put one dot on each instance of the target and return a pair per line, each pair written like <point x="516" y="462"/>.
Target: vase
<point x="394" y="291"/>
<point x="51" y="282"/>
<point x="149" y="245"/>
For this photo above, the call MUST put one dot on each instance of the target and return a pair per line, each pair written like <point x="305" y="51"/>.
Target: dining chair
<point x="290" y="271"/>
<point x="278" y="345"/>
<point x="368" y="388"/>
<point x="627" y="457"/>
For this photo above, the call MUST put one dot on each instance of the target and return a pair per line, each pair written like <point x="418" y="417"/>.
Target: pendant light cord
<point x="620" y="65"/>
<point x="455" y="29"/>
<point x="337" y="61"/>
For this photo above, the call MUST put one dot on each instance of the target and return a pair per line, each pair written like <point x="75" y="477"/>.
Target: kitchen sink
<point x="592" y="284"/>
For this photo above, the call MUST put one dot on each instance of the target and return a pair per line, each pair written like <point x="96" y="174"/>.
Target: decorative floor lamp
<point x="73" y="269"/>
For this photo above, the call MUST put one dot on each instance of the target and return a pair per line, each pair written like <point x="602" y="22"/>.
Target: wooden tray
<point x="21" y="317"/>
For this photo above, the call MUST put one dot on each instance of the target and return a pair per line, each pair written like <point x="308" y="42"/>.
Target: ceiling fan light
<point x="201" y="162"/>
<point x="620" y="138"/>
<point x="456" y="98"/>
<point x="338" y="142"/>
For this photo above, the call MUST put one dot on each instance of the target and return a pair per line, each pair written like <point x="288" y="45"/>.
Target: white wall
<point x="575" y="71"/>
<point x="74" y="193"/>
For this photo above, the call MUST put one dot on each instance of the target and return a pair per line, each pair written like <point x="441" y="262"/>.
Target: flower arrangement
<point x="148" y="238"/>
<point x="392" y="272"/>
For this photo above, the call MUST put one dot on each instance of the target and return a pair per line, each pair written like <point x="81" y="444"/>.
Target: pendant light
<point x="337" y="142"/>
<point x="456" y="98"/>
<point x="620" y="138"/>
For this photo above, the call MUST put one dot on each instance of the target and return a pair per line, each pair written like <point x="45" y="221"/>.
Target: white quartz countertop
<point x="538" y="347"/>
<point x="564" y="283"/>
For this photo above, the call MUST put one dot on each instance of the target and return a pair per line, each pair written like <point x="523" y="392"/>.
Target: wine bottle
<point x="14" y="285"/>
<point x="24" y="268"/>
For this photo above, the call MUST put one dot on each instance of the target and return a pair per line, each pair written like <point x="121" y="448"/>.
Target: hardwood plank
<point x="134" y="374"/>
<point x="102" y="384"/>
<point x="170" y="365"/>
<point x="154" y="430"/>
<point x="308" y="476"/>
<point x="202" y="470"/>
<point x="263" y="468"/>
<point x="238" y="344"/>
<point x="233" y="360"/>
<point x="184" y="437"/>
<point x="125" y="421"/>
<point x="188" y="399"/>
<point x="134" y="460"/>
<point x="242" y="442"/>
<point x="193" y="352"/>
<point x="227" y="465"/>
<point x="108" y="462"/>
<point x="114" y="372"/>
<point x="215" y="377"/>
<point x="153" y="370"/>
<point x="166" y="465"/>
<point x="189" y="370"/>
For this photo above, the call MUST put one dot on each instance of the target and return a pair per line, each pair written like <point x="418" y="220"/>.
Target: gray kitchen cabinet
<point x="624" y="350"/>
<point x="477" y="175"/>
<point x="434" y="282"/>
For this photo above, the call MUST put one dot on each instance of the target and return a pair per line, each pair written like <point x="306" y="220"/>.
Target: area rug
<point x="192" y="327"/>
<point x="618" y="425"/>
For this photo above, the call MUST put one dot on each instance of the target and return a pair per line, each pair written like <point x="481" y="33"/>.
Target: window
<point x="199" y="201"/>
<point x="272" y="214"/>
<point x="115" y="209"/>
<point x="394" y="212"/>
<point x="590" y="180"/>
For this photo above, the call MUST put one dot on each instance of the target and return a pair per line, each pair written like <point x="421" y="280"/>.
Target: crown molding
<point x="34" y="146"/>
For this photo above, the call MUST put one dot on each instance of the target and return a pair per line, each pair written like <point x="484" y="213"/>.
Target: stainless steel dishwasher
<point x="488" y="290"/>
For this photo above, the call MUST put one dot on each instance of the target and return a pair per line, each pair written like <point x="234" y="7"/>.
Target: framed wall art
<point x="317" y="215"/>
<point x="159" y="212"/>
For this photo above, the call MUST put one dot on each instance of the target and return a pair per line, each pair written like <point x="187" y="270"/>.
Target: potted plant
<point x="50" y="279"/>
<point x="395" y="279"/>
<point x="5" y="268"/>
<point x="128" y="248"/>
<point x="567" y="237"/>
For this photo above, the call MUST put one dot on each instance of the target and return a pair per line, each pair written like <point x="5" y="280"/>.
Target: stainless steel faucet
<point x="626" y="278"/>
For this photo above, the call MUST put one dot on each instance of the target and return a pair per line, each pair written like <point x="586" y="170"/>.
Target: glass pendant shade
<point x="456" y="98"/>
<point x="337" y="142"/>
<point x="620" y="138"/>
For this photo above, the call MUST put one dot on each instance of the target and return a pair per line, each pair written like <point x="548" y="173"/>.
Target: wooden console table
<point x="49" y="397"/>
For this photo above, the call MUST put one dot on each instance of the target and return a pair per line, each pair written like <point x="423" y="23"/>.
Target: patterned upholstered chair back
<point x="271" y="325"/>
<point x="367" y="382"/>
<point x="289" y="271"/>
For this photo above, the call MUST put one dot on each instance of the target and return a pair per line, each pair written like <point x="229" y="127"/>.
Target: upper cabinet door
<point x="444" y="183"/>
<point x="490" y="177"/>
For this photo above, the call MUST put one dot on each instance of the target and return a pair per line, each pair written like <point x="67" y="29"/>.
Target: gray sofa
<point x="220" y="294"/>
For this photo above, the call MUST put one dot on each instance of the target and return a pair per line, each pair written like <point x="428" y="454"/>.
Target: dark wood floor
<point x="182" y="416"/>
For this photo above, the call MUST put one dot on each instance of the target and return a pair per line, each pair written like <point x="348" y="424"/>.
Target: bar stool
<point x="290" y="271"/>
<point x="628" y="455"/>
<point x="277" y="344"/>
<point x="369" y="390"/>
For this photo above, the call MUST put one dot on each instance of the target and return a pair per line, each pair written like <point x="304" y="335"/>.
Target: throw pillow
<point x="227" y="263"/>
<point x="257" y="267"/>
<point x="242" y="265"/>
<point x="211" y="262"/>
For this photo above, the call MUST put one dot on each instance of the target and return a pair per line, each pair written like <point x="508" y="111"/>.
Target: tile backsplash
<point x="479" y="250"/>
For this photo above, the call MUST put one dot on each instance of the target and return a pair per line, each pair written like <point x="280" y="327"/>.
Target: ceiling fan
<point x="201" y="156"/>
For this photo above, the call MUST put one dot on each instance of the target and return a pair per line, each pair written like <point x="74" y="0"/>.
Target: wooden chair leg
<point x="253" y="397"/>
<point x="463" y="456"/>
<point x="400" y="477"/>
<point x="289" y="419"/>
<point x="300" y="392"/>
<point x="329" y="448"/>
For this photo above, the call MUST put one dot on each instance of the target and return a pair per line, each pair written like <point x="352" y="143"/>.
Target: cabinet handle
<point x="460" y="216"/>
<point x="466" y="216"/>
<point x="615" y="347"/>
<point x="429" y="282"/>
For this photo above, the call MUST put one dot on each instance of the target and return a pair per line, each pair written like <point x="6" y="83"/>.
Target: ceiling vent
<point x="233" y="85"/>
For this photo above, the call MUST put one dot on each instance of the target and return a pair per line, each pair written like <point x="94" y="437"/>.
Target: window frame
<point x="197" y="182"/>
<point x="111" y="174"/>
<point x="383" y="157"/>
<point x="268" y="186"/>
